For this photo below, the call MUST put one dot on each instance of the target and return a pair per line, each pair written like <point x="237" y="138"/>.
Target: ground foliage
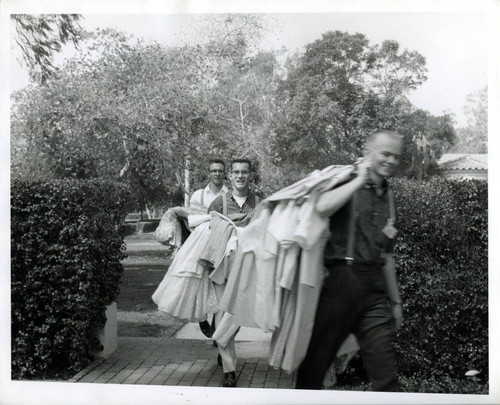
<point x="442" y="264"/>
<point x="66" y="247"/>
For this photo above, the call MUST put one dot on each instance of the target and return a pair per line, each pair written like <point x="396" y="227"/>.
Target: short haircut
<point x="376" y="134"/>
<point x="218" y="161"/>
<point x="242" y="161"/>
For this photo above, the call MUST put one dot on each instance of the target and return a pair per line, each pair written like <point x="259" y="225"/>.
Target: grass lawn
<point x="139" y="281"/>
<point x="138" y="315"/>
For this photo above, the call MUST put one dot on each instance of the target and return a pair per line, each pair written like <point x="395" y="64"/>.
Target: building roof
<point x="464" y="161"/>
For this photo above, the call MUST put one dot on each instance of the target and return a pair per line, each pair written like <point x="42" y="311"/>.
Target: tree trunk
<point x="187" y="185"/>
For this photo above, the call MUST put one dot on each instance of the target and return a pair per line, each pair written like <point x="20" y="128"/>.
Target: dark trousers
<point x="352" y="300"/>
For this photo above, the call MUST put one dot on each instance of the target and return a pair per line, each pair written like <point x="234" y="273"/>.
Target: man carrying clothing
<point x="360" y="293"/>
<point x="240" y="200"/>
<point x="204" y="196"/>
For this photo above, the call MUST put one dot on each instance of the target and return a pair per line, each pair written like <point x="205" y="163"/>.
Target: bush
<point x="443" y="385"/>
<point x="442" y="264"/>
<point x="67" y="243"/>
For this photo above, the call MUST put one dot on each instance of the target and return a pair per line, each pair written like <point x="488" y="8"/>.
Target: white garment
<point x="208" y="196"/>
<point x="169" y="231"/>
<point x="225" y="335"/>
<point x="239" y="200"/>
<point x="186" y="292"/>
<point x="294" y="237"/>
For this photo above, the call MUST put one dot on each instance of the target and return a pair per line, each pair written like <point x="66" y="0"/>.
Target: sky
<point x="454" y="44"/>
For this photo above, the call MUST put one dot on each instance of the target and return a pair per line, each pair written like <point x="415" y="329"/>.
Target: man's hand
<point x="363" y="168"/>
<point x="397" y="314"/>
<point x="330" y="201"/>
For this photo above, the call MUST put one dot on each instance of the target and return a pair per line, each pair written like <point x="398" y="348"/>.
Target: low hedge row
<point x="67" y="243"/>
<point x="442" y="265"/>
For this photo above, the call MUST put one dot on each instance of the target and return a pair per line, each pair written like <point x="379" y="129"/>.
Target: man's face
<point x="385" y="154"/>
<point x="240" y="176"/>
<point x="216" y="174"/>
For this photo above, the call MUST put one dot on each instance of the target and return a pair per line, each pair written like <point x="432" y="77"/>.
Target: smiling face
<point x="216" y="175"/>
<point x="240" y="178"/>
<point x="384" y="152"/>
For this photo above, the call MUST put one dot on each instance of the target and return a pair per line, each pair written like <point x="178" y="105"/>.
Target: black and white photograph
<point x="216" y="202"/>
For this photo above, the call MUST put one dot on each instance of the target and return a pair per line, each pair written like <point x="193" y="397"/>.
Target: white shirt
<point x="240" y="200"/>
<point x="208" y="196"/>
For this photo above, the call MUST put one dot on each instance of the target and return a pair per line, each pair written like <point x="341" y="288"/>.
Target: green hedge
<point x="442" y="265"/>
<point x="67" y="243"/>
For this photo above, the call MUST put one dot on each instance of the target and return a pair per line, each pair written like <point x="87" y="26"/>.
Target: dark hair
<point x="219" y="161"/>
<point x="242" y="161"/>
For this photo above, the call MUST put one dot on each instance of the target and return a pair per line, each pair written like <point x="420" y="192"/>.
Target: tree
<point x="394" y="73"/>
<point x="140" y="112"/>
<point x="341" y="89"/>
<point x="473" y="138"/>
<point x="425" y="139"/>
<point x="244" y="81"/>
<point x="102" y="118"/>
<point x="40" y="36"/>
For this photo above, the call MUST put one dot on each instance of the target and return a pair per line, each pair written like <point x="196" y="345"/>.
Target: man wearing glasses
<point x="240" y="200"/>
<point x="204" y="196"/>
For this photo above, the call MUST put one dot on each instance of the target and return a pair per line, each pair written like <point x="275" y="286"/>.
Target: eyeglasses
<point x="217" y="171"/>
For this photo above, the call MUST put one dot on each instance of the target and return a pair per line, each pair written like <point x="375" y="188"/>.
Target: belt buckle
<point x="349" y="260"/>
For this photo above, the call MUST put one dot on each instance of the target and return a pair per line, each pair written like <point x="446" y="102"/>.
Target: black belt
<point x="350" y="261"/>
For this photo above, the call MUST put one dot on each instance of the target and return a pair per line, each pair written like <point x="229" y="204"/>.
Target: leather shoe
<point x="205" y="329"/>
<point x="229" y="379"/>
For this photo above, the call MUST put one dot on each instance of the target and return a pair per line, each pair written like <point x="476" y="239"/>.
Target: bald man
<point x="360" y="293"/>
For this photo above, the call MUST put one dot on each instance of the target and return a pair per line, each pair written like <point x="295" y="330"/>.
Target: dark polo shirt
<point x="241" y="216"/>
<point x="232" y="205"/>
<point x="372" y="213"/>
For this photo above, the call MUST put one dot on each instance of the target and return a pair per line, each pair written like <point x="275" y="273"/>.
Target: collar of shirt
<point x="230" y="194"/>
<point x="370" y="184"/>
<point x="248" y="205"/>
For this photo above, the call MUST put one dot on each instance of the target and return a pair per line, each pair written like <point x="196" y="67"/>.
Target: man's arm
<point x="330" y="201"/>
<point x="392" y="289"/>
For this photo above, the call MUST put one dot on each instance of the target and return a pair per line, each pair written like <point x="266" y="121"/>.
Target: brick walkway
<point x="182" y="362"/>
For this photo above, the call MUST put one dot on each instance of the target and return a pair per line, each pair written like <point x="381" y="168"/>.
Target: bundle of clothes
<point x="187" y="290"/>
<point x="272" y="269"/>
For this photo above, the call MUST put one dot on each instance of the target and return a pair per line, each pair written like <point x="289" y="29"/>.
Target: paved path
<point x="188" y="359"/>
<point x="186" y="362"/>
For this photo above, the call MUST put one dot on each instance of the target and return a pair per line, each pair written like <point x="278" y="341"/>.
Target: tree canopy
<point x="146" y="112"/>
<point x="39" y="37"/>
<point x="136" y="111"/>
<point x="339" y="91"/>
<point x="473" y="137"/>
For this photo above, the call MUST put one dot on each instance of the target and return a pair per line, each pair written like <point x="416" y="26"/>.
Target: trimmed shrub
<point x="67" y="243"/>
<point x="442" y="265"/>
<point x="444" y="385"/>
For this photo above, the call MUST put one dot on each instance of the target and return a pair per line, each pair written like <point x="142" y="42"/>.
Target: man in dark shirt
<point x="240" y="199"/>
<point x="360" y="293"/>
<point x="237" y="204"/>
